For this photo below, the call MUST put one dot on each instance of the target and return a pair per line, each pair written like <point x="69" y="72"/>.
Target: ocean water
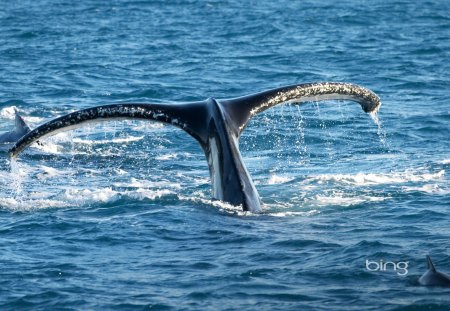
<point x="119" y="216"/>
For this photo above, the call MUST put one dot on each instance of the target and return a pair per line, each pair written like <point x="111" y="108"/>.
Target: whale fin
<point x="240" y="110"/>
<point x="430" y="264"/>
<point x="21" y="125"/>
<point x="20" y="129"/>
<point x="188" y="117"/>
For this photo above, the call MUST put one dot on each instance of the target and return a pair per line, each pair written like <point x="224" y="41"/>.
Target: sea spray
<point x="380" y="131"/>
<point x="16" y="179"/>
<point x="302" y="149"/>
<point x="327" y="134"/>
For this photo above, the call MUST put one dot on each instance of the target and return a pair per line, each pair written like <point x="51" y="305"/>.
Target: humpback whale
<point x="216" y="125"/>
<point x="20" y="129"/>
<point x="432" y="277"/>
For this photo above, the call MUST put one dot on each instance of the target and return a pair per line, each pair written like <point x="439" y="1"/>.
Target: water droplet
<point x="380" y="131"/>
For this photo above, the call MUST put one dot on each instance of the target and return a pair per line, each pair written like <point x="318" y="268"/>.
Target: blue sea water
<point x="119" y="216"/>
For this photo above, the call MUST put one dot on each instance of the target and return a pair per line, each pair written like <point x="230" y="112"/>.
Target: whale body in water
<point x="215" y="124"/>
<point x="432" y="277"/>
<point x="20" y="129"/>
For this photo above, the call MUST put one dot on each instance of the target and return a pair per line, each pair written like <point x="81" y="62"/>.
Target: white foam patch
<point x="120" y="171"/>
<point x="166" y="157"/>
<point x="34" y="120"/>
<point x="276" y="179"/>
<point x="108" y="195"/>
<point x="47" y="147"/>
<point x="109" y="141"/>
<point x="29" y="205"/>
<point x="85" y="196"/>
<point x="142" y="194"/>
<point x="77" y="197"/>
<point x="49" y="172"/>
<point x="137" y="183"/>
<point x="8" y="112"/>
<point x="446" y="161"/>
<point x="367" y="179"/>
<point x="343" y="199"/>
<point x="173" y="155"/>
<point x="290" y="214"/>
<point x="429" y="189"/>
<point x="51" y="144"/>
<point x="18" y="192"/>
<point x="198" y="197"/>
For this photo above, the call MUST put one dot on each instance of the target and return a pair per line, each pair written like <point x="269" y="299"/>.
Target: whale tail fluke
<point x="21" y="125"/>
<point x="215" y="124"/>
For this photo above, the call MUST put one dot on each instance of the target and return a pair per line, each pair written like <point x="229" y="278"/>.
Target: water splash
<point x="380" y="131"/>
<point x="300" y="142"/>
<point x="328" y="139"/>
<point x="16" y="179"/>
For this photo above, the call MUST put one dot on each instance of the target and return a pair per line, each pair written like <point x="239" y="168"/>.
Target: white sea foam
<point x="276" y="179"/>
<point x="428" y="188"/>
<point x="47" y="147"/>
<point x="166" y="157"/>
<point x="49" y="172"/>
<point x="83" y="196"/>
<point x="223" y="206"/>
<point x="287" y="214"/>
<point x="173" y="155"/>
<point x="16" y="204"/>
<point x="8" y="112"/>
<point x="77" y="197"/>
<point x="199" y="197"/>
<point x="147" y="184"/>
<point x="364" y="179"/>
<point x="34" y="120"/>
<point x="51" y="144"/>
<point x="342" y="199"/>
<point x="119" y="171"/>
<point x="109" y="141"/>
<point x="142" y="194"/>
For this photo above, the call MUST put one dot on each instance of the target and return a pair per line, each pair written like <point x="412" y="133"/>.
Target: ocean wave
<point x="29" y="201"/>
<point x="16" y="204"/>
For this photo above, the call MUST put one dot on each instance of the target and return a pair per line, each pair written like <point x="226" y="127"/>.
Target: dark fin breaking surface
<point x="430" y="264"/>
